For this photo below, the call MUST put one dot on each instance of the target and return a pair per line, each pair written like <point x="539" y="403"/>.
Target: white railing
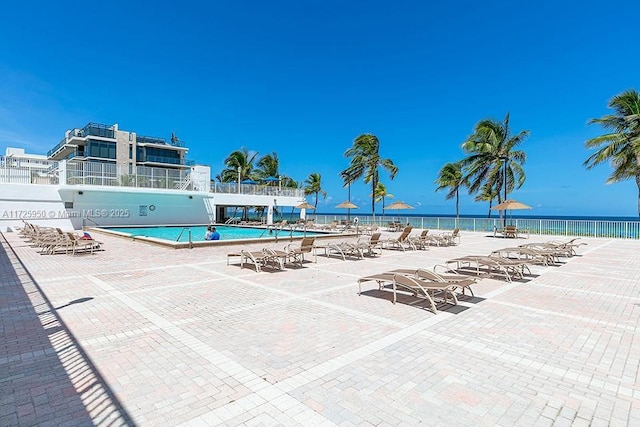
<point x="23" y="172"/>
<point x="534" y="226"/>
<point x="255" y="189"/>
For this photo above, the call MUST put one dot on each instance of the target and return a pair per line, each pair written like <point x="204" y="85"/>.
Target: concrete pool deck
<point x="145" y="335"/>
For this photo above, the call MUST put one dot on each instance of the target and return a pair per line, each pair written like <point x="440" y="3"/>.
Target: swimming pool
<point x="197" y="233"/>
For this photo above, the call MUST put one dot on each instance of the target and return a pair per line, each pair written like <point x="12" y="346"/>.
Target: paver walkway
<point x="145" y="335"/>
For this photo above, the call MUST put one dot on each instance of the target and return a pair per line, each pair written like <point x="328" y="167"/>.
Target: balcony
<point x="141" y="139"/>
<point x="62" y="150"/>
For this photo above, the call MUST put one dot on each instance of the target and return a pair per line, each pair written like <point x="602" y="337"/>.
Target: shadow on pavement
<point x="47" y="378"/>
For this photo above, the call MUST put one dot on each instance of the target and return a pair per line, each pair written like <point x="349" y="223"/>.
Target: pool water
<point x="198" y="233"/>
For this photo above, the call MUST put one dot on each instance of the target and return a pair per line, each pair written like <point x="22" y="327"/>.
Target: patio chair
<point x="566" y="248"/>
<point x="370" y="244"/>
<point x="402" y="240"/>
<point x="420" y="288"/>
<point x="343" y="249"/>
<point x="370" y="229"/>
<point x="459" y="280"/>
<point x="488" y="265"/>
<point x="570" y="244"/>
<point x="423" y="240"/>
<point x="448" y="239"/>
<point x="531" y="254"/>
<point x="257" y="258"/>
<point x="333" y="226"/>
<point x="296" y="254"/>
<point x="78" y="244"/>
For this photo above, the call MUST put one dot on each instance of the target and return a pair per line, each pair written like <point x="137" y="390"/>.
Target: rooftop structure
<point x="107" y="143"/>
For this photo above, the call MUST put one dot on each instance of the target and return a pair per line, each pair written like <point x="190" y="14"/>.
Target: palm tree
<point x="452" y="178"/>
<point x="312" y="185"/>
<point x="365" y="161"/>
<point x="493" y="158"/>
<point x="268" y="165"/>
<point x="242" y="159"/>
<point x="620" y="147"/>
<point x="487" y="194"/>
<point x="380" y="194"/>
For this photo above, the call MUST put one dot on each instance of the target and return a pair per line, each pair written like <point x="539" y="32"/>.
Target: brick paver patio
<point x="145" y="335"/>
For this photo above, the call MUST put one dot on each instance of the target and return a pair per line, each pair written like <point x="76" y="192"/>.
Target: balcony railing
<point x="163" y="159"/>
<point x="96" y="129"/>
<point x="257" y="190"/>
<point x="23" y="172"/>
<point x="141" y="139"/>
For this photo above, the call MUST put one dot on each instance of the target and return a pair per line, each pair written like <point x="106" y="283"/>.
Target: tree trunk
<point x="373" y="198"/>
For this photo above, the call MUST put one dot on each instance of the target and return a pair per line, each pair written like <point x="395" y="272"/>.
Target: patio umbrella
<point x="399" y="205"/>
<point x="271" y="179"/>
<point x="510" y="205"/>
<point x="249" y="181"/>
<point x="304" y="205"/>
<point x="347" y="205"/>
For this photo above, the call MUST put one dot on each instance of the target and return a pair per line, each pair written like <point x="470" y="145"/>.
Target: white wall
<point x="39" y="204"/>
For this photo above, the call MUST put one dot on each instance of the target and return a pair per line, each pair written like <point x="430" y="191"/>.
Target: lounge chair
<point x="257" y="258"/>
<point x="260" y="259"/>
<point x="394" y="226"/>
<point x="489" y="265"/>
<point x="370" y="229"/>
<point x="531" y="254"/>
<point x="343" y="249"/>
<point x="448" y="239"/>
<point x="401" y="241"/>
<point x="459" y="280"/>
<point x="333" y="226"/>
<point x="566" y="248"/>
<point x="370" y="244"/>
<point x="78" y="244"/>
<point x="296" y="253"/>
<point x="418" y="287"/>
<point x="423" y="240"/>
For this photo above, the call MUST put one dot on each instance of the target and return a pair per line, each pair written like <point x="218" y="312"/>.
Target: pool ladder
<point x="180" y="235"/>
<point x="271" y="229"/>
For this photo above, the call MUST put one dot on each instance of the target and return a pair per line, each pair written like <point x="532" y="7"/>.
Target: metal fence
<point x="22" y="171"/>
<point x="532" y="226"/>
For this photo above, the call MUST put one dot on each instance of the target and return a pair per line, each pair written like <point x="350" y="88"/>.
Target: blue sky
<point x="304" y="79"/>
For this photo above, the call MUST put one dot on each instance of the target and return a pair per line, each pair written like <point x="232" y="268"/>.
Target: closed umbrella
<point x="510" y="205"/>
